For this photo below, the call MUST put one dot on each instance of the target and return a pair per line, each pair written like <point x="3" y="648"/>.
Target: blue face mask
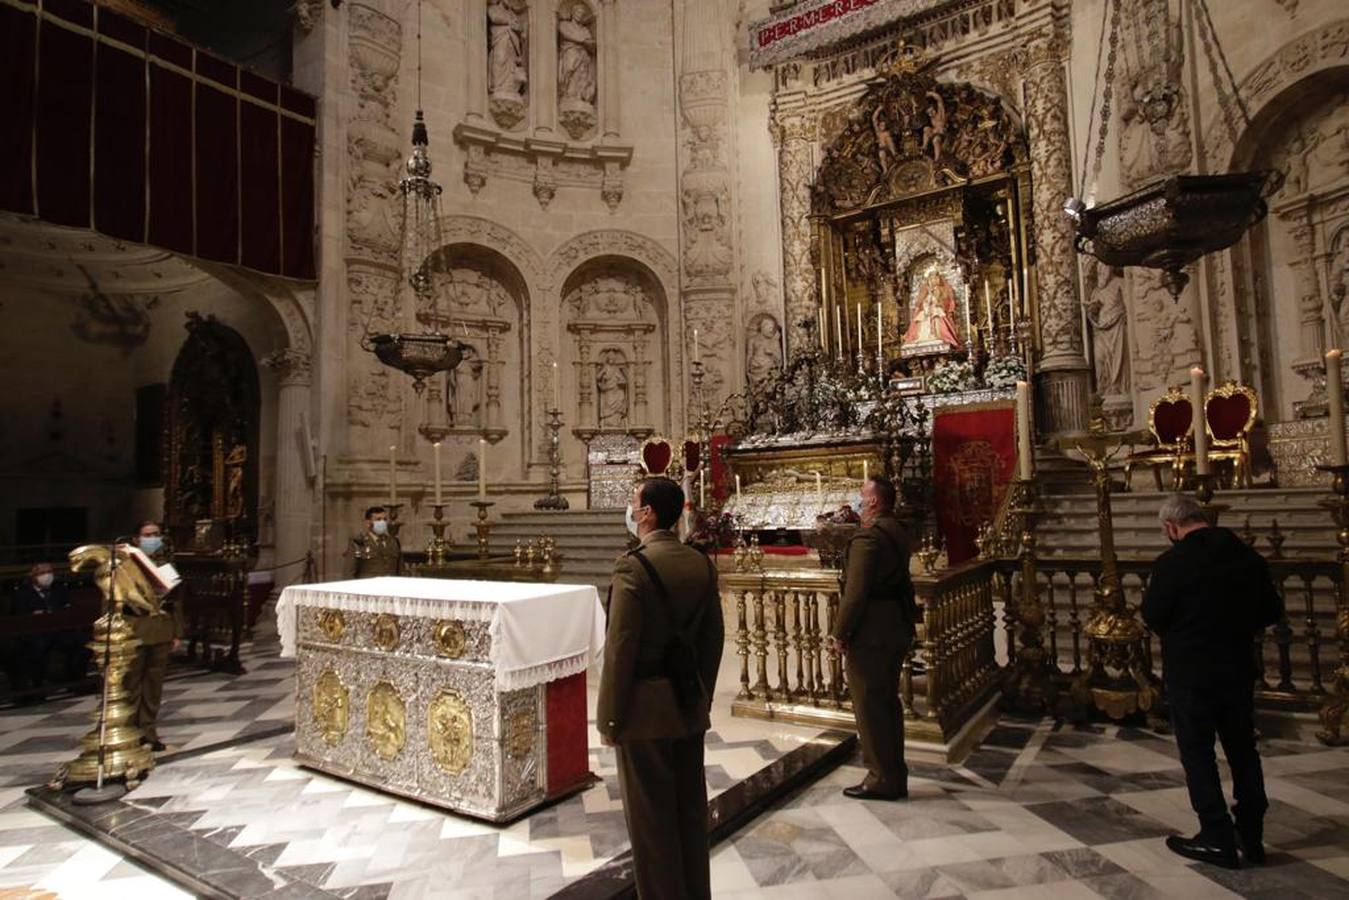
<point x="151" y="544"/>
<point x="379" y="526"/>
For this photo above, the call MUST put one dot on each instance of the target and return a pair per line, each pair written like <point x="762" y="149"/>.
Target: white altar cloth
<point x="540" y="632"/>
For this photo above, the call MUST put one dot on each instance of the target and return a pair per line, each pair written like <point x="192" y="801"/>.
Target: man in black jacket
<point x="1209" y="596"/>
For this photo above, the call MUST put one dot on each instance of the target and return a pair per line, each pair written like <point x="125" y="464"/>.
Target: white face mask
<point x="44" y="580"/>
<point x="631" y="522"/>
<point x="380" y="527"/>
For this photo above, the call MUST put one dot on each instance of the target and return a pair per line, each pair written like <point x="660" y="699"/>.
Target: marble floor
<point x="1039" y="807"/>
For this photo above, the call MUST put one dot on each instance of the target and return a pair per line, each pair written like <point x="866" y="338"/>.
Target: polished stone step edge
<point x="731" y="810"/>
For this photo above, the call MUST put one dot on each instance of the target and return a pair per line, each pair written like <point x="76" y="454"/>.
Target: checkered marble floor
<point x="1043" y="811"/>
<point x="1039" y="808"/>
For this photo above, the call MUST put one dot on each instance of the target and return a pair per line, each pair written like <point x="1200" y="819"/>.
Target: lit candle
<point x="1011" y="299"/>
<point x="1024" y="456"/>
<point x="482" y="468"/>
<point x="393" y="474"/>
<point x="838" y="330"/>
<point x="820" y="320"/>
<point x="866" y="470"/>
<point x="702" y="489"/>
<point x="859" y="335"/>
<point x="969" y="334"/>
<point x="819" y="491"/>
<point x="557" y="387"/>
<point x="436" y="451"/>
<point x="737" y="490"/>
<point x="697" y="356"/>
<point x="1339" y="456"/>
<point x="1200" y="421"/>
<point x="880" y="346"/>
<point x="988" y="307"/>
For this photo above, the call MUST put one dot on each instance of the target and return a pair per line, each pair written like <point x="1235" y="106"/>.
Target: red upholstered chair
<point x="693" y="455"/>
<point x="657" y="455"/>
<point x="1229" y="414"/>
<point x="1171" y="421"/>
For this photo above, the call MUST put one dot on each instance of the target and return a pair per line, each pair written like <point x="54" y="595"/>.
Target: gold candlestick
<point x="1336" y="705"/>
<point x="394" y="524"/>
<point x="554" y="499"/>
<point x="1032" y="685"/>
<point x="438" y="548"/>
<point x="482" y="526"/>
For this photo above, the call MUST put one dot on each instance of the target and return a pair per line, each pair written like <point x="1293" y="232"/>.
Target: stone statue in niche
<point x="763" y="350"/>
<point x="507" y="72"/>
<point x="1109" y="328"/>
<point x="611" y="384"/>
<point x="1339" y="280"/>
<point x="465" y="396"/>
<point x="576" y="70"/>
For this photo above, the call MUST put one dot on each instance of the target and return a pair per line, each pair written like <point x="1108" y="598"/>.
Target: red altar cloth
<point x="973" y="459"/>
<point x="568" y="750"/>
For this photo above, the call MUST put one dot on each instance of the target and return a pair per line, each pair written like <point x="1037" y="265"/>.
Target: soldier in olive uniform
<point x="375" y="551"/>
<point x="661" y="654"/>
<point x="875" y="627"/>
<point x="159" y="634"/>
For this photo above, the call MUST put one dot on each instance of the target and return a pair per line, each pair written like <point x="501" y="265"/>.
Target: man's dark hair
<point x="885" y="491"/>
<point x="141" y="526"/>
<point x="665" y="497"/>
<point x="372" y="510"/>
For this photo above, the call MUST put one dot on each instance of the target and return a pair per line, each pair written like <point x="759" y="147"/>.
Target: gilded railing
<point x="788" y="670"/>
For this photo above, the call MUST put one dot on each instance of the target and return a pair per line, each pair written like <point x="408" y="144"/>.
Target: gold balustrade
<point x="788" y="671"/>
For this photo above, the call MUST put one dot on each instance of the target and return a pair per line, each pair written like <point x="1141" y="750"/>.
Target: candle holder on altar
<point x="554" y="499"/>
<point x="394" y="525"/>
<point x="1336" y="705"/>
<point x="1118" y="678"/>
<point x="438" y="548"/>
<point x="482" y="526"/>
<point x="1203" y="492"/>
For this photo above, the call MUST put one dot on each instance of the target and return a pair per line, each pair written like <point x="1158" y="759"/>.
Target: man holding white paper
<point x="159" y="634"/>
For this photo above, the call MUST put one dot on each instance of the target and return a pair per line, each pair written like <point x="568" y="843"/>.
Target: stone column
<point x="475" y="61"/>
<point x="585" y="382"/>
<point x="640" y="414"/>
<point x="1064" y="376"/>
<point x="543" y="63"/>
<point x="793" y="138"/>
<point x="292" y="500"/>
<point x="606" y="60"/>
<point x="492" y="380"/>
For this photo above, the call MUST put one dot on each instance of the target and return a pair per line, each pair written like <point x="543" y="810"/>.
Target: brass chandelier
<point x="1173" y="221"/>
<point x="422" y="354"/>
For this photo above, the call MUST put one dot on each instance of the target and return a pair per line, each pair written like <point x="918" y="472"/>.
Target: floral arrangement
<point x="951" y="376"/>
<point x="1004" y="371"/>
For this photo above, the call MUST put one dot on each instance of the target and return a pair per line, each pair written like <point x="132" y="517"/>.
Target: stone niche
<point x="615" y="316"/>
<point x="482" y="297"/>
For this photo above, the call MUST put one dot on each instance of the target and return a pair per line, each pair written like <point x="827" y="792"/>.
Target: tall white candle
<point x="880" y="343"/>
<point x="822" y="322"/>
<point x="1339" y="456"/>
<point x="702" y="488"/>
<point x="969" y="334"/>
<point x="866" y="470"/>
<point x="697" y="354"/>
<point x="838" y="330"/>
<point x="482" y="468"/>
<point x="393" y="474"/>
<point x="988" y="308"/>
<point x="557" y="387"/>
<point x="737" y="489"/>
<point x="1200" y="421"/>
<point x="1025" y="460"/>
<point x="859" y="335"/>
<point x="435" y="449"/>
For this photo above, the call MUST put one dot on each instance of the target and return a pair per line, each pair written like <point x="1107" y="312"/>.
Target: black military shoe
<point x="155" y="746"/>
<point x="862" y="792"/>
<point x="1202" y="850"/>
<point x="1251" y="847"/>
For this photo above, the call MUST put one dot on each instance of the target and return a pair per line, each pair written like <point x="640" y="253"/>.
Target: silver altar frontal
<point x="468" y="695"/>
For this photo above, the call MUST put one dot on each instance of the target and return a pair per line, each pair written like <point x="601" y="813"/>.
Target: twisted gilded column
<point x="1064" y="374"/>
<point x="793" y="139"/>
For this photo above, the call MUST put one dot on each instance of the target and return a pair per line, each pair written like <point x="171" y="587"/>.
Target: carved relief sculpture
<point x="615" y="349"/>
<point x="576" y="82"/>
<point x="763" y="350"/>
<point x="507" y="70"/>
<point x="1107" y="315"/>
<point x="611" y="386"/>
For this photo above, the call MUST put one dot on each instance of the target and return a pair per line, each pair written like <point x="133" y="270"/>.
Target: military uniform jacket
<point x="636" y="708"/>
<point x="876" y="606"/>
<point x="376" y="555"/>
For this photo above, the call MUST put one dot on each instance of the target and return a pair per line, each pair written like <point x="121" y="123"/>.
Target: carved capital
<point x="789" y="128"/>
<point x="293" y="367"/>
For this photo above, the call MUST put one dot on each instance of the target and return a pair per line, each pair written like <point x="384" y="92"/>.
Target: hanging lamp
<point x="426" y="353"/>
<point x="1174" y="220"/>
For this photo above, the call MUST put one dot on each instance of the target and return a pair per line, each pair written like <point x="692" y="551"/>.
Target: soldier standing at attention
<point x="159" y="634"/>
<point x="661" y="655"/>
<point x="874" y="629"/>
<point x="375" y="551"/>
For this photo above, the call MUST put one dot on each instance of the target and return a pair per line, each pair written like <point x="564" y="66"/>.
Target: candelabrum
<point x="554" y="499"/>
<point x="394" y="525"/>
<point x="1203" y="492"/>
<point x="1336" y="705"/>
<point x="1031" y="686"/>
<point x="482" y="526"/>
<point x="438" y="548"/>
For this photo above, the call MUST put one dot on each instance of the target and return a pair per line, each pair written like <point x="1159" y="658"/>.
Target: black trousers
<point x="665" y="807"/>
<point x="873" y="685"/>
<point x="1226" y="712"/>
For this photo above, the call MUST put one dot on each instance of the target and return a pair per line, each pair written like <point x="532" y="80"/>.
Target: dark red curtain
<point x="18" y="50"/>
<point x="142" y="137"/>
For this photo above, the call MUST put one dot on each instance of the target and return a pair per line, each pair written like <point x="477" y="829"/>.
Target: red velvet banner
<point x="973" y="459"/>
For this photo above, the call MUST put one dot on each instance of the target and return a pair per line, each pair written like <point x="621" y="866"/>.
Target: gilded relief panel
<point x="385" y="700"/>
<point x="323" y="708"/>
<point x="455" y="693"/>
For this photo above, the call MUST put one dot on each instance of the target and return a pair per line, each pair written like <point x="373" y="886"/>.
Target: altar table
<point x="468" y="695"/>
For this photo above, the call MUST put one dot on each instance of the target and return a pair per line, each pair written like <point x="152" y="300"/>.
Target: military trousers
<point x="873" y="685"/>
<point x="145" y="683"/>
<point x="665" y="807"/>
